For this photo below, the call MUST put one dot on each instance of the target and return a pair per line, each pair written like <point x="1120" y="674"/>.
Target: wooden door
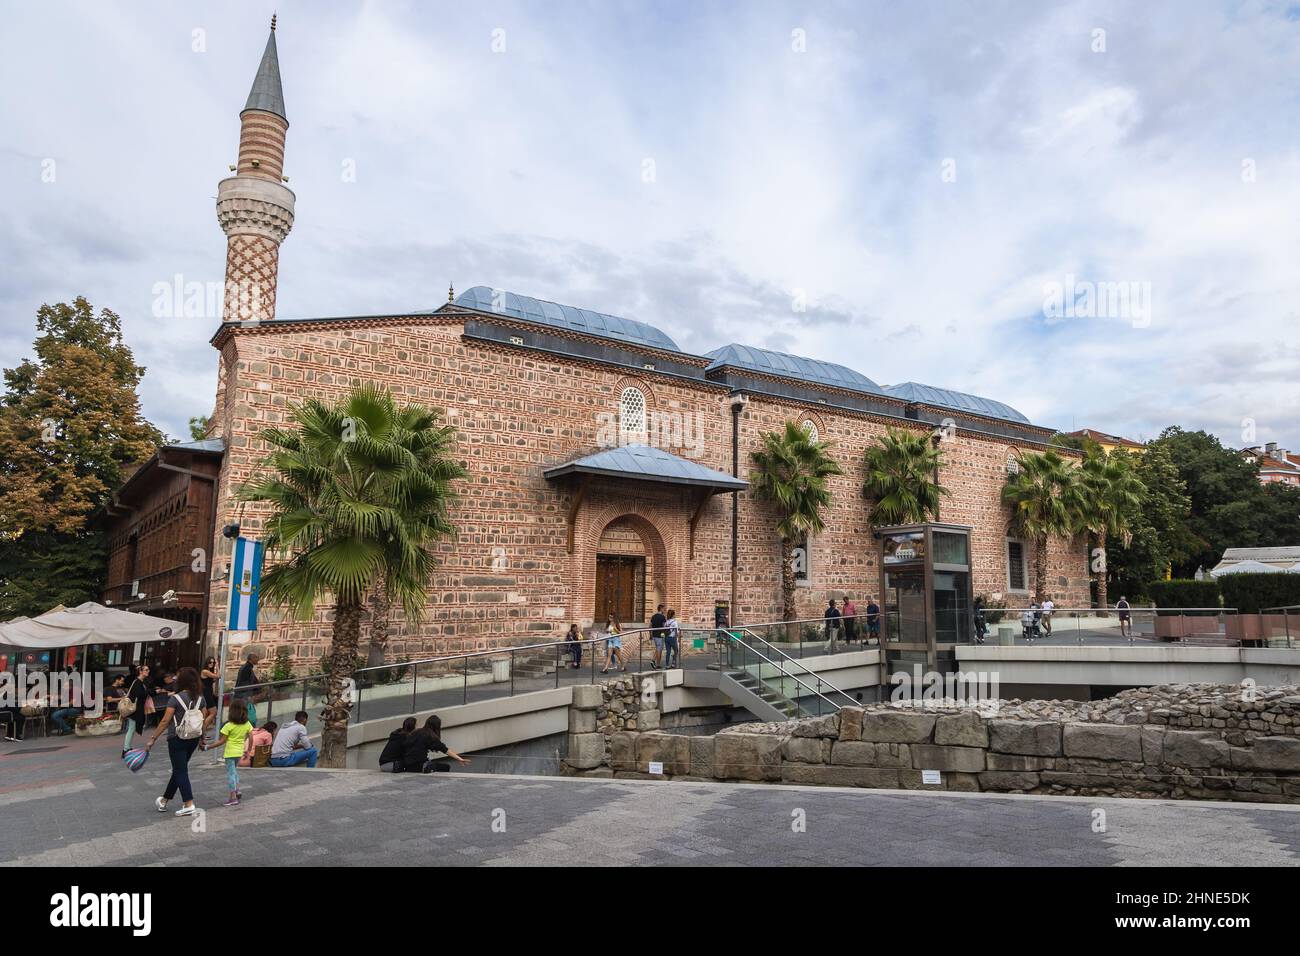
<point x="616" y="588"/>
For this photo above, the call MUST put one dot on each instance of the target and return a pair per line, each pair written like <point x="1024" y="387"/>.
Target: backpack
<point x="190" y="723"/>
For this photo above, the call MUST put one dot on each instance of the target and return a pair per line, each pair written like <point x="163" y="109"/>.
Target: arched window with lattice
<point x="810" y="429"/>
<point x="632" y="414"/>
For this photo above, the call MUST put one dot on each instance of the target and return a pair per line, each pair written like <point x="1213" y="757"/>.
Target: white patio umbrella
<point x="88" y="623"/>
<point x="1247" y="567"/>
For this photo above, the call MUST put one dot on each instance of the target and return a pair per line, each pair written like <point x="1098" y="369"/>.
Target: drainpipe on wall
<point x="738" y="403"/>
<point x="935" y="439"/>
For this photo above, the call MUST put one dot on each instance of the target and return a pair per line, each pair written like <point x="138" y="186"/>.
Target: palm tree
<point x="790" y="472"/>
<point x="358" y="490"/>
<point x="902" y="479"/>
<point x="1109" y="494"/>
<point x="1044" y="500"/>
<point x="381" y="613"/>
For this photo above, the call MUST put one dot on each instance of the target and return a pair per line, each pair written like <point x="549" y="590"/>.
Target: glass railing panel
<point x="313" y="695"/>
<point x="278" y="702"/>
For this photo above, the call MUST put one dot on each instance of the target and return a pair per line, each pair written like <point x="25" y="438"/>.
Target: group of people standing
<point x="858" y="623"/>
<point x="665" y="633"/>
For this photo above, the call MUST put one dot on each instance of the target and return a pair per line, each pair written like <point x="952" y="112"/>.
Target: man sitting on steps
<point x="292" y="744"/>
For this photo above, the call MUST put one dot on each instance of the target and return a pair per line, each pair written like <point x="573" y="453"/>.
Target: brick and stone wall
<point x="622" y="707"/>
<point x="507" y="576"/>
<point x="1182" y="741"/>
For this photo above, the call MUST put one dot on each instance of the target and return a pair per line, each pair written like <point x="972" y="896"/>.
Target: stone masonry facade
<point x="525" y="396"/>
<point x="507" y="576"/>
<point x="1182" y="742"/>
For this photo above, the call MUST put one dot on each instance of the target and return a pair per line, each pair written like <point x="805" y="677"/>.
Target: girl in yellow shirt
<point x="234" y="734"/>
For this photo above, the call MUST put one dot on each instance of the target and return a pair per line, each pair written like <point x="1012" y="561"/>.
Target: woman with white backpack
<point x="184" y="724"/>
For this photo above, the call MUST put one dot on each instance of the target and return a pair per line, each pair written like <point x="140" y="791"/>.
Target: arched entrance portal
<point x="630" y="570"/>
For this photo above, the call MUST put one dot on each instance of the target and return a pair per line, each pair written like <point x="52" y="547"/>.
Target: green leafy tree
<point x="1043" y="496"/>
<point x="70" y="422"/>
<point x="357" y="489"/>
<point x="790" y="472"/>
<point x="198" y="428"/>
<point x="1160" y="538"/>
<point x="1278" y="516"/>
<point x="901" y="470"/>
<point x="1108" y="494"/>
<point x="1229" y="506"/>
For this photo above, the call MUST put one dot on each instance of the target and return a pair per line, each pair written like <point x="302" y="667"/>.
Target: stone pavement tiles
<point x="83" y="808"/>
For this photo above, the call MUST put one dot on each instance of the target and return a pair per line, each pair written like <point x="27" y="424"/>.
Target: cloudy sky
<point x="908" y="189"/>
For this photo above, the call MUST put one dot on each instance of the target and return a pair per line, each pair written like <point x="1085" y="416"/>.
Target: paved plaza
<point x="69" y="801"/>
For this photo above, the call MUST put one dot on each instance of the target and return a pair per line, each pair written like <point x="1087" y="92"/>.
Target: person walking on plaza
<point x="209" y="676"/>
<point x="390" y="760"/>
<point x="672" y="640"/>
<point x="1048" y="607"/>
<point x="293" y="744"/>
<point x="873" y="620"/>
<point x="613" y="645"/>
<point x="850" y="616"/>
<point x="182" y="722"/>
<point x="573" y="640"/>
<point x="137" y="693"/>
<point x="657" y="624"/>
<point x="247" y="677"/>
<point x="1125" y="625"/>
<point x="233" y="738"/>
<point x="415" y="752"/>
<point x="981" y="626"/>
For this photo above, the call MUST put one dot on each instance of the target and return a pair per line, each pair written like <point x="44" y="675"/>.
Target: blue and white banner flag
<point x="245" y="581"/>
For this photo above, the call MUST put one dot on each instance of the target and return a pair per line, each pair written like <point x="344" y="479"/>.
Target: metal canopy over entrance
<point x="636" y="462"/>
<point x="926" y="587"/>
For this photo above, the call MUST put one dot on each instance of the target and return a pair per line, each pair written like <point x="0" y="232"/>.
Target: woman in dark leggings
<point x="209" y="675"/>
<point x="137" y="691"/>
<point x="188" y="696"/>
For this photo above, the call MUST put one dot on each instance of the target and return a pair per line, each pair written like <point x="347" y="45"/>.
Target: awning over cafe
<point x="88" y="623"/>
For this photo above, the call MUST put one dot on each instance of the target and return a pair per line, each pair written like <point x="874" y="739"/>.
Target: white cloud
<point x="775" y="170"/>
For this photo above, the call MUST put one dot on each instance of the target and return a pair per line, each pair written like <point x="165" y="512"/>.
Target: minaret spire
<point x="267" y="94"/>
<point x="254" y="207"/>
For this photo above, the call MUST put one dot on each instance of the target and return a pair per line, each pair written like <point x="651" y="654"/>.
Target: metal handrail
<point x="446" y="657"/>
<point x="807" y="620"/>
<point x="808" y="670"/>
<point x="1109" y="607"/>
<point x="774" y="664"/>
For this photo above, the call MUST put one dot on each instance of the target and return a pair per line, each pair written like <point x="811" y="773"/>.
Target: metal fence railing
<point x="406" y="687"/>
<point x="1280" y="626"/>
<point x="1113" y="626"/>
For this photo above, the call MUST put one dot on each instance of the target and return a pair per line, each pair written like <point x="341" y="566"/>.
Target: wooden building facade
<point x="159" y="544"/>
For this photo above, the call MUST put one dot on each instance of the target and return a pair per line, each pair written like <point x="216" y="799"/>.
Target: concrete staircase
<point x="749" y="692"/>
<point x="540" y="663"/>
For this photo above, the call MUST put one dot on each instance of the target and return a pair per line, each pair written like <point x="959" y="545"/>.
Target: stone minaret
<point x="254" y="208"/>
